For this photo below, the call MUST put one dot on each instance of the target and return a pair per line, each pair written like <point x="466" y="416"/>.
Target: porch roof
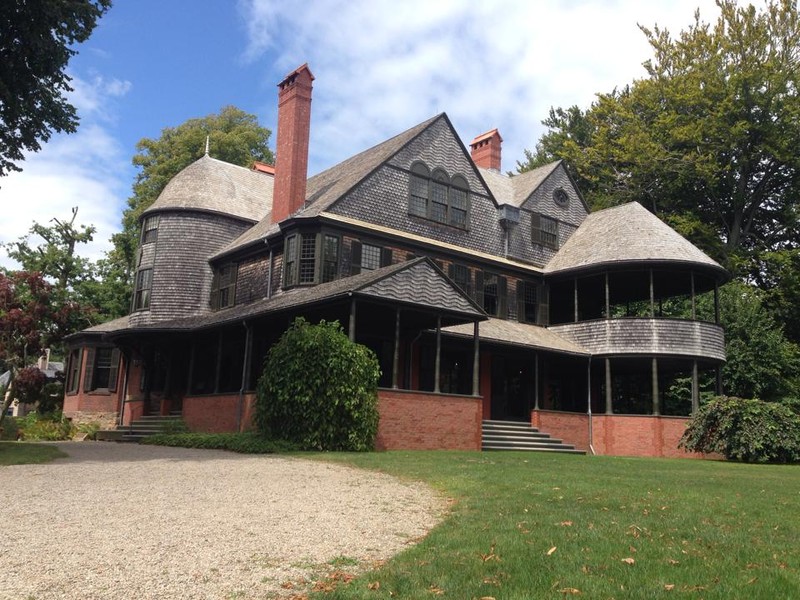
<point x="513" y="333"/>
<point x="415" y="283"/>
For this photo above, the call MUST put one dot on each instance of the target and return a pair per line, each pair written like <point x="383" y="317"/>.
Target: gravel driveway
<point x="127" y="521"/>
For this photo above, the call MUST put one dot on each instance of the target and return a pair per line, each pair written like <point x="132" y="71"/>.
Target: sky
<point x="381" y="66"/>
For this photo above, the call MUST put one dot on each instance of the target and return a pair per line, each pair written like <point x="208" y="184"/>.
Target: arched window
<point x="438" y="197"/>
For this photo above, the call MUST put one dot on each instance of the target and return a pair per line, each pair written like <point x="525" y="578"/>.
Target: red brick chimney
<point x="486" y="150"/>
<point x="291" y="163"/>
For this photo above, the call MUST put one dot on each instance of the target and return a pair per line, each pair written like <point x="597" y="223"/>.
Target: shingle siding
<point x="669" y="337"/>
<point x="251" y="280"/>
<point x="181" y="274"/>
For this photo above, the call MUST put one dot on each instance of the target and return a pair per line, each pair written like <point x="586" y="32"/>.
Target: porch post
<point x="536" y="381"/>
<point x="718" y="388"/>
<point x="476" y="362"/>
<point x="218" y="367"/>
<point x="716" y="303"/>
<point x="652" y="296"/>
<point x="436" y="387"/>
<point x="656" y="410"/>
<point x="352" y="321"/>
<point x="396" y="357"/>
<point x="694" y="304"/>
<point x="695" y="388"/>
<point x="608" y="299"/>
<point x="609" y="395"/>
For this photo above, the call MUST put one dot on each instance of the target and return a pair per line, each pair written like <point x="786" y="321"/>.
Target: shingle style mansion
<point x="484" y="296"/>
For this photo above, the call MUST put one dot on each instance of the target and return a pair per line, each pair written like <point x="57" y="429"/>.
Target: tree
<point x="708" y="140"/>
<point x="761" y="362"/>
<point x="29" y="322"/>
<point x="71" y="276"/>
<point x="319" y="389"/>
<point x="233" y="136"/>
<point x="35" y="46"/>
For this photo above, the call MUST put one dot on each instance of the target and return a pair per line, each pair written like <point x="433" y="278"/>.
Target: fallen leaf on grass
<point x="674" y="562"/>
<point x="374" y="586"/>
<point x="487" y="598"/>
<point x="490" y="556"/>
<point x="628" y="561"/>
<point x="752" y="581"/>
<point x="549" y="552"/>
<point x="570" y="591"/>
<point x="669" y="586"/>
<point x="566" y="523"/>
<point x="435" y="590"/>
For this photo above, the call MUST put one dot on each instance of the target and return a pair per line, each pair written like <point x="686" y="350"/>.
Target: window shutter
<point x="355" y="257"/>
<point x="544" y="307"/>
<point x="214" y="301"/>
<point x="536" y="228"/>
<point x="502" y="298"/>
<point x="386" y="257"/>
<point x="479" y="288"/>
<point x="521" y="316"/>
<point x="319" y="259"/>
<point x="113" y="371"/>
<point x="87" y="376"/>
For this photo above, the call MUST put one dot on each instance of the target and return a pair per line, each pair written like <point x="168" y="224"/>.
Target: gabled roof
<point x="432" y="290"/>
<point x="216" y="186"/>
<point x="626" y="234"/>
<point x="325" y="188"/>
<point x="515" y="190"/>
<point x="513" y="333"/>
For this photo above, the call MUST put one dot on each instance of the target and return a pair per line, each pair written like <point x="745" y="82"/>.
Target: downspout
<point x="248" y="344"/>
<point x="589" y="404"/>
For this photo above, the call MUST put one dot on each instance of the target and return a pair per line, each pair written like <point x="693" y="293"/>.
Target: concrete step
<point x="513" y="435"/>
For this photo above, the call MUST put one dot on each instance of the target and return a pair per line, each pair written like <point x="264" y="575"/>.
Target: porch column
<point x="352" y="321"/>
<point x="652" y="296"/>
<point x="218" y="367"/>
<point x="608" y="299"/>
<point x="695" y="388"/>
<point x="694" y="304"/>
<point x="476" y="362"/>
<point x="396" y="357"/>
<point x="609" y="395"/>
<point x="436" y="386"/>
<point x="656" y="410"/>
<point x="718" y="387"/>
<point x="576" y="299"/>
<point x="536" y="381"/>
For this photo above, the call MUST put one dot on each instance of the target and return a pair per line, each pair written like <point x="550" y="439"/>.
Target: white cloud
<point x="383" y="66"/>
<point x="86" y="169"/>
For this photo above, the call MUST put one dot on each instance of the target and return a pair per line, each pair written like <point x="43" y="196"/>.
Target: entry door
<point x="512" y="389"/>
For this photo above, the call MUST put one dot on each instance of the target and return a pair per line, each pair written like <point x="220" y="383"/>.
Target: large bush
<point x="319" y="390"/>
<point x="745" y="430"/>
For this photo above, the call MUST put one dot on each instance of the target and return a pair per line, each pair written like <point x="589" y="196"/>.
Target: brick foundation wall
<point x="88" y="407"/>
<point x="618" y="435"/>
<point x="217" y="413"/>
<point x="411" y="420"/>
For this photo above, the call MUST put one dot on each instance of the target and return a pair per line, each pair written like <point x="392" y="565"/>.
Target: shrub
<point x="745" y="430"/>
<point x="319" y="389"/>
<point x="9" y="430"/>
<point x="28" y="384"/>
<point x="246" y="443"/>
<point x="90" y="429"/>
<point x="51" y="427"/>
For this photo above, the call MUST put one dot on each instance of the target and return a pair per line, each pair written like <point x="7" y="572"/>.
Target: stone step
<point x="513" y="435"/>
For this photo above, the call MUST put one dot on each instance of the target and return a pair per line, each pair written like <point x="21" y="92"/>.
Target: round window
<point x="560" y="196"/>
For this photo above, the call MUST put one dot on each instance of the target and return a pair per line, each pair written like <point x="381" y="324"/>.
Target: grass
<point x="554" y="526"/>
<point x="21" y="453"/>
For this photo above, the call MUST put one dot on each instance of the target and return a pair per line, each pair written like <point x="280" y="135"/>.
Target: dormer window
<point x="310" y="258"/>
<point x="150" y="229"/>
<point x="438" y="197"/>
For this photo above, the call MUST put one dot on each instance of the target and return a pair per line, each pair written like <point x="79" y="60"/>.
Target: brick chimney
<point x="486" y="151"/>
<point x="294" y="122"/>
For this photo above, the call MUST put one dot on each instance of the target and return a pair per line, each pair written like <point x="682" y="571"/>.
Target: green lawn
<point x="23" y="453"/>
<point x="529" y="526"/>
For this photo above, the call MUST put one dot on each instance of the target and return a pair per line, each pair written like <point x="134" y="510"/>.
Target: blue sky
<point x="381" y="66"/>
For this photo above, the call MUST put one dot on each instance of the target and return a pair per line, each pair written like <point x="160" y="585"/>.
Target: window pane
<point x="307" y="258"/>
<point x="330" y="266"/>
<point x="439" y="202"/>
<point x="370" y="257"/>
<point x="290" y="252"/>
<point x="418" y="202"/>
<point x="490" y="304"/>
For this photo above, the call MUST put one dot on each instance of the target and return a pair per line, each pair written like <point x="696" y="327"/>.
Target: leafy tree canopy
<point x="35" y="46"/>
<point x="708" y="140"/>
